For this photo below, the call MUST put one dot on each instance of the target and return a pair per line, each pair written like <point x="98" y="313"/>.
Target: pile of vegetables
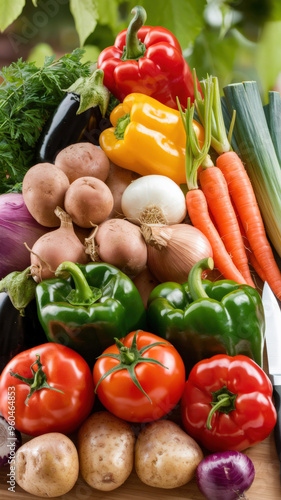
<point x="140" y="256"/>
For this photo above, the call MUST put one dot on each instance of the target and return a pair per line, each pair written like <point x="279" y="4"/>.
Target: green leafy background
<point x="9" y="11"/>
<point x="232" y="39"/>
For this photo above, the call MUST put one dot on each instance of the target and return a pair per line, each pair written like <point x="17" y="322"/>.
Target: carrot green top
<point x="220" y="140"/>
<point x="194" y="155"/>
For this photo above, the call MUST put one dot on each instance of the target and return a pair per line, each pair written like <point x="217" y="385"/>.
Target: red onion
<point x="225" y="476"/>
<point x="10" y="441"/>
<point x="16" y="227"/>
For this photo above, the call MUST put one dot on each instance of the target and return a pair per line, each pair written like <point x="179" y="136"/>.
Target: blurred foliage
<point x="232" y="39"/>
<point x="39" y="53"/>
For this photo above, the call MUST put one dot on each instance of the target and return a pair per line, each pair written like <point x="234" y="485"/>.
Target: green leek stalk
<point x="257" y="152"/>
<point x="273" y="117"/>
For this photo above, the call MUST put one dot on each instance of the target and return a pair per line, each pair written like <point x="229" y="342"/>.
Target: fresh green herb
<point x="28" y="96"/>
<point x="113" y="102"/>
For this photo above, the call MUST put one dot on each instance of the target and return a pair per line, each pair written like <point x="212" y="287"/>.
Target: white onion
<point x="154" y="199"/>
<point x="173" y="250"/>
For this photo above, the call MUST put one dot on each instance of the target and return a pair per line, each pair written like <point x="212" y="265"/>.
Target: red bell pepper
<point x="227" y="403"/>
<point x="147" y="60"/>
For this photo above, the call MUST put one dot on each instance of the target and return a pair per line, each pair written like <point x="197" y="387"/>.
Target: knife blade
<point x="273" y="347"/>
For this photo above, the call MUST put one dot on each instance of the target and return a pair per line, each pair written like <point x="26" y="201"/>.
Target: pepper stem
<point x="82" y="294"/>
<point x="37" y="381"/>
<point x="194" y="278"/>
<point x="122" y="124"/>
<point x="134" y="48"/>
<point x="223" y="401"/>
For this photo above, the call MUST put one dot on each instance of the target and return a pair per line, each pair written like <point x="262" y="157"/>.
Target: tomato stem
<point x="128" y="358"/>
<point x="38" y="380"/>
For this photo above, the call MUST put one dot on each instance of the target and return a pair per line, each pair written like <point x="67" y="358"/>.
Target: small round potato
<point x="117" y="181"/>
<point x="43" y="189"/>
<point x="88" y="201"/>
<point x="47" y="465"/>
<point x="165" y="456"/>
<point x="106" y="451"/>
<point x="83" y="159"/>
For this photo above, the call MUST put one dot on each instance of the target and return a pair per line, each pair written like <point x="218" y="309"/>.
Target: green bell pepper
<point x="86" y="306"/>
<point x="203" y="318"/>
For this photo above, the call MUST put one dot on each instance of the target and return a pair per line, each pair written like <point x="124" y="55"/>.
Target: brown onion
<point x="145" y="283"/>
<point x="173" y="250"/>
<point x="55" y="247"/>
<point x="119" y="243"/>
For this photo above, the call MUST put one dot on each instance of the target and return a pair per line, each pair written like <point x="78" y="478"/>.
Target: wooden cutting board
<point x="266" y="485"/>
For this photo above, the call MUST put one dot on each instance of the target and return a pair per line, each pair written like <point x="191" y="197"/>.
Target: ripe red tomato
<point x="54" y="366"/>
<point x="162" y="385"/>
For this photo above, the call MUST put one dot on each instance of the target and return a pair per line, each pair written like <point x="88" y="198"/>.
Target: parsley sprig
<point x="28" y="96"/>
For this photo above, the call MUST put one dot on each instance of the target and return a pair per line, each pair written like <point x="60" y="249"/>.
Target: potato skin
<point x="83" y="159"/>
<point x="88" y="201"/>
<point x="117" y="181"/>
<point x="106" y="451"/>
<point x="47" y="465"/>
<point x="165" y="456"/>
<point x="43" y="189"/>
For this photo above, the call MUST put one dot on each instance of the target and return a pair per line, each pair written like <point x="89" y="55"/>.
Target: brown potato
<point x="47" y="465"/>
<point x="106" y="451"/>
<point x="83" y="159"/>
<point x="88" y="201"/>
<point x="43" y="189"/>
<point x="165" y="456"/>
<point x="117" y="181"/>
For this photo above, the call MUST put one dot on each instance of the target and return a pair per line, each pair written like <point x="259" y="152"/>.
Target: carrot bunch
<point x="220" y="200"/>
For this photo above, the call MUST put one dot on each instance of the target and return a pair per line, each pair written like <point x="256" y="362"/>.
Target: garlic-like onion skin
<point x="154" y="199"/>
<point x="55" y="247"/>
<point x="120" y="243"/>
<point x="179" y="247"/>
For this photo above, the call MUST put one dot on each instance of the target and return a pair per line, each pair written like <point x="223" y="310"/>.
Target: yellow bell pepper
<point x="148" y="137"/>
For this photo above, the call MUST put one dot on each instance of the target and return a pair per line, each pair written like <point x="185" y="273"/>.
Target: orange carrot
<point x="199" y="215"/>
<point x="243" y="197"/>
<point x="214" y="186"/>
<point x="251" y="258"/>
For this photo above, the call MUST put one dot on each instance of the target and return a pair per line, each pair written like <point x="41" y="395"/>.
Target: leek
<point x="258" y="154"/>
<point x="273" y="117"/>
